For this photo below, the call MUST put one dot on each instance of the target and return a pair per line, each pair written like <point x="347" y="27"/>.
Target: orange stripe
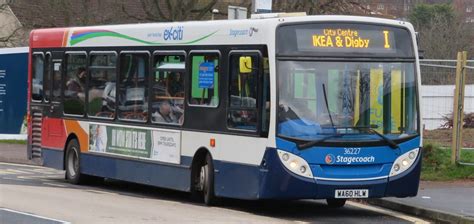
<point x="65" y="37"/>
<point x="74" y="127"/>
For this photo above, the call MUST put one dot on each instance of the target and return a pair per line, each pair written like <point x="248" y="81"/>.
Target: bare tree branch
<point x="160" y="12"/>
<point x="206" y="9"/>
<point x="124" y="10"/>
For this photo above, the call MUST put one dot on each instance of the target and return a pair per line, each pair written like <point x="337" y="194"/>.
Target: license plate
<point x="352" y="193"/>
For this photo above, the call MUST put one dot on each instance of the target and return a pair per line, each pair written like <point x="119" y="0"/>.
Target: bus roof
<point x="212" y="32"/>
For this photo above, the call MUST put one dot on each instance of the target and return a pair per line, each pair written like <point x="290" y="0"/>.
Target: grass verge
<point x="437" y="165"/>
<point x="19" y="142"/>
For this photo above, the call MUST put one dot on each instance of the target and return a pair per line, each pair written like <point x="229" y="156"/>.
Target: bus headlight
<point x="295" y="164"/>
<point x="403" y="162"/>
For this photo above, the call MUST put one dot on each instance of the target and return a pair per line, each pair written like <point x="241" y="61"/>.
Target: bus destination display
<point x="350" y="40"/>
<point x="345" y="38"/>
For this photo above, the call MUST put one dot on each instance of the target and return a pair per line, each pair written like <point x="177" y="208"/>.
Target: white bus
<point x="321" y="107"/>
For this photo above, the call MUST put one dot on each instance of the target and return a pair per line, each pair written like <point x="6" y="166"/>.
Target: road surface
<point x="42" y="194"/>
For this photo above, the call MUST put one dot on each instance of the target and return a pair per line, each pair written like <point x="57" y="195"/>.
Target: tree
<point x="442" y="33"/>
<point x="82" y="12"/>
<point x="314" y="7"/>
<point x="172" y="10"/>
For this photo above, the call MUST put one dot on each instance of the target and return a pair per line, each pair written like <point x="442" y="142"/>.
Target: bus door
<point x="55" y="109"/>
<point x="53" y="128"/>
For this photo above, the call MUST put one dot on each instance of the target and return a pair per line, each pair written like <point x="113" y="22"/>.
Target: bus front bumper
<point x="277" y="182"/>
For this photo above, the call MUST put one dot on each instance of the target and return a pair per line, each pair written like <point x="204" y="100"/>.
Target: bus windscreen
<point x="341" y="39"/>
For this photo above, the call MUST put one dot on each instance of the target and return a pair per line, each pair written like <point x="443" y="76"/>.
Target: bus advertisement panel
<point x="13" y="87"/>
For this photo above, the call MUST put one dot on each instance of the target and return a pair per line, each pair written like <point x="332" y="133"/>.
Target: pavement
<point x="15" y="153"/>
<point x="451" y="202"/>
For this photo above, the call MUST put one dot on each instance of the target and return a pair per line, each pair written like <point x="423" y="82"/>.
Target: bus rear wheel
<point x="73" y="167"/>
<point x="335" y="203"/>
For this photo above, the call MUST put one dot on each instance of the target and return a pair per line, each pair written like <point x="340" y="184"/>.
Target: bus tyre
<point x="73" y="174"/>
<point x="335" y="203"/>
<point x="206" y="178"/>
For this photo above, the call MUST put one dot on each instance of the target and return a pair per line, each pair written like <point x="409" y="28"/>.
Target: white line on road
<point x="101" y="192"/>
<point x="6" y="172"/>
<point x="26" y="177"/>
<point x="388" y="212"/>
<point x="16" y="164"/>
<point x="15" y="179"/>
<point x="19" y="171"/>
<point x="37" y="216"/>
<point x="54" y="185"/>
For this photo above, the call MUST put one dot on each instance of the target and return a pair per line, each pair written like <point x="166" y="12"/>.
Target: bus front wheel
<point x="206" y="181"/>
<point x="336" y="203"/>
<point x="73" y="174"/>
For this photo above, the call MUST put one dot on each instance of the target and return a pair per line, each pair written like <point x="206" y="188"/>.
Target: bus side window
<point x="133" y="87"/>
<point x="38" y="75"/>
<point x="168" y="89"/>
<point x="74" y="83"/>
<point x="47" y="78"/>
<point x="56" y="76"/>
<point x="266" y="97"/>
<point x="101" y="86"/>
<point x="243" y="92"/>
<point x="205" y="79"/>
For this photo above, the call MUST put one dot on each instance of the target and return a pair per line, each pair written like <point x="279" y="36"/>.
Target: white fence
<point x="437" y="101"/>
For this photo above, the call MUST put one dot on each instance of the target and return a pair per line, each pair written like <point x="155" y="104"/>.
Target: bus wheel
<point x="336" y="203"/>
<point x="73" y="174"/>
<point x="206" y="181"/>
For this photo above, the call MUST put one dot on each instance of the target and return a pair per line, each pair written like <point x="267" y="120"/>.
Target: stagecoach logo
<point x="329" y="159"/>
<point x="244" y="32"/>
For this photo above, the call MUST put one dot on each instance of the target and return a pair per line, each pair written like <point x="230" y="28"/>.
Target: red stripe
<point x="45" y="38"/>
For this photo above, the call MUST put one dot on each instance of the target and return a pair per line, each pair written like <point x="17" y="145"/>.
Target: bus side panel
<point x="235" y="180"/>
<point x="270" y="180"/>
<point x="175" y="177"/>
<point x="53" y="158"/>
<point x="53" y="133"/>
<point x="53" y="140"/>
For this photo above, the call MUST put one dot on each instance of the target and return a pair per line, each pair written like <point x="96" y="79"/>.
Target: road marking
<point x="301" y="222"/>
<point x="15" y="179"/>
<point x="46" y="180"/>
<point x="101" y="192"/>
<point x="33" y="215"/>
<point x="388" y="212"/>
<point x="55" y="185"/>
<point x="19" y="171"/>
<point x="26" y="177"/>
<point x="6" y="172"/>
<point x="22" y="165"/>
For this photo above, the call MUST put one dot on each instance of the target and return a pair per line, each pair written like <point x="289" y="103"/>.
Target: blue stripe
<point x="53" y="158"/>
<point x="160" y="175"/>
<point x="270" y="180"/>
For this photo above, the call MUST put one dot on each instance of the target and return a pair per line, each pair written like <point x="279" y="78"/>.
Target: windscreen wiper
<point x="371" y="129"/>
<point x="327" y="105"/>
<point x="316" y="142"/>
